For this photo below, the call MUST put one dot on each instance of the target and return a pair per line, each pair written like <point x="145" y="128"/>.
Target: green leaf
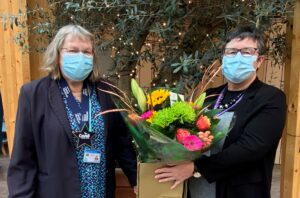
<point x="4" y="22"/>
<point x="175" y="64"/>
<point x="218" y="136"/>
<point x="185" y="69"/>
<point x="139" y="94"/>
<point x="16" y="21"/>
<point x="177" y="69"/>
<point x="11" y="24"/>
<point x="200" y="100"/>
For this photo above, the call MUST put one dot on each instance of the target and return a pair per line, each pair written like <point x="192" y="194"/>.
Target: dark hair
<point x="248" y="31"/>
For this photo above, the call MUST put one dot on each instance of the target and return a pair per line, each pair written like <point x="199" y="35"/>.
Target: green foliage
<point x="174" y="36"/>
<point x="180" y="112"/>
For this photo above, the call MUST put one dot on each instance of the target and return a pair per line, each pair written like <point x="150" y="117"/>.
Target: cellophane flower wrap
<point x="165" y="127"/>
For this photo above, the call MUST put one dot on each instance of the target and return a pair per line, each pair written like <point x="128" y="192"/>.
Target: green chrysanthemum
<point x="180" y="112"/>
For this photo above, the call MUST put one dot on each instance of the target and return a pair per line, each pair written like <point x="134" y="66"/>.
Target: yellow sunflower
<point x="157" y="97"/>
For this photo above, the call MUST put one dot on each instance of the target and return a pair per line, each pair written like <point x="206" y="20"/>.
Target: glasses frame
<point x="240" y="50"/>
<point x="85" y="52"/>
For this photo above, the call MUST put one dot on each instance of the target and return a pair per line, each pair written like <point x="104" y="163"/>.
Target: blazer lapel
<point x="104" y="105"/>
<point x="58" y="107"/>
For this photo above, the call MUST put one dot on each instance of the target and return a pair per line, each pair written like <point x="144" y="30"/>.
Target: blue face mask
<point x="238" y="68"/>
<point x="77" y="67"/>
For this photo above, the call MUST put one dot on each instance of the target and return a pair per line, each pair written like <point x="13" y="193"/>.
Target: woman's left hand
<point x="177" y="173"/>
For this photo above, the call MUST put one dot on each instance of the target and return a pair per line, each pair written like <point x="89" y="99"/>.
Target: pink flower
<point x="181" y="134"/>
<point x="192" y="143"/>
<point x="146" y="115"/>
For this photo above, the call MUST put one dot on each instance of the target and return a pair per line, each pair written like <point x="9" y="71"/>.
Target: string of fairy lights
<point x="120" y="41"/>
<point x="135" y="72"/>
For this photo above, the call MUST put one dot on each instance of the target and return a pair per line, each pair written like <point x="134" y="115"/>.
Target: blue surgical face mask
<point x="238" y="68"/>
<point x="77" y="67"/>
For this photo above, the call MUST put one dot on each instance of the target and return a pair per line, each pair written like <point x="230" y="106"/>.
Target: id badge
<point x="91" y="156"/>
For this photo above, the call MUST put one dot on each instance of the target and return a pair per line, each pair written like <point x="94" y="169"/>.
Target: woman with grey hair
<point x="63" y="147"/>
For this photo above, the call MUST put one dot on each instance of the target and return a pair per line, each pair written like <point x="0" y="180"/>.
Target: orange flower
<point x="203" y="123"/>
<point x="133" y="118"/>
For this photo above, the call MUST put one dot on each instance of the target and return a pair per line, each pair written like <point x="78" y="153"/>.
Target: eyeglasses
<point x="87" y="52"/>
<point x="247" y="51"/>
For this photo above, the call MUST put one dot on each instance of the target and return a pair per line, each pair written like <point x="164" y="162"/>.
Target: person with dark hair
<point x="243" y="165"/>
<point x="63" y="147"/>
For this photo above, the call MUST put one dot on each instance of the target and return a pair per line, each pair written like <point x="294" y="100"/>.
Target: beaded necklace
<point x="232" y="101"/>
<point x="229" y="105"/>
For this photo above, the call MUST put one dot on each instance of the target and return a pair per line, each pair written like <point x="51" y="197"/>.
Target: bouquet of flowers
<point x="166" y="127"/>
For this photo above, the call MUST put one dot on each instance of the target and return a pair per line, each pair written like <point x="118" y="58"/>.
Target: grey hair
<point x="51" y="56"/>
<point x="249" y="31"/>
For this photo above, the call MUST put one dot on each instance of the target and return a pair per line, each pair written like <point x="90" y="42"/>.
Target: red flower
<point x="203" y="123"/>
<point x="181" y="134"/>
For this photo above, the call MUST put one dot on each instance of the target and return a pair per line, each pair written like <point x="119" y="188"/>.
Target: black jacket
<point x="43" y="162"/>
<point x="244" y="167"/>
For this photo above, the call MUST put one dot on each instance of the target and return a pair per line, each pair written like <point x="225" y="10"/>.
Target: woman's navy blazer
<point x="244" y="167"/>
<point x="43" y="162"/>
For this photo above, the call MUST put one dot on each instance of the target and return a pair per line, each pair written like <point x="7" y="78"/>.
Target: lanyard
<point x="81" y="110"/>
<point x="221" y="96"/>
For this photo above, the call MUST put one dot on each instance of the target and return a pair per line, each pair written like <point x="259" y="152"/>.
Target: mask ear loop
<point x="260" y="60"/>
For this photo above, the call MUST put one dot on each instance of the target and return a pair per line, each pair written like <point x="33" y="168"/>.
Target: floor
<point x="3" y="168"/>
<point x="5" y="160"/>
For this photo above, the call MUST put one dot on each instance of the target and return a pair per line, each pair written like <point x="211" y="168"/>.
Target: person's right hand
<point x="178" y="173"/>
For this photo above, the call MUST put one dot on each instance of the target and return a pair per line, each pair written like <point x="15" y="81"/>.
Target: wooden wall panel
<point x="35" y="58"/>
<point x="290" y="177"/>
<point x="14" y="66"/>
